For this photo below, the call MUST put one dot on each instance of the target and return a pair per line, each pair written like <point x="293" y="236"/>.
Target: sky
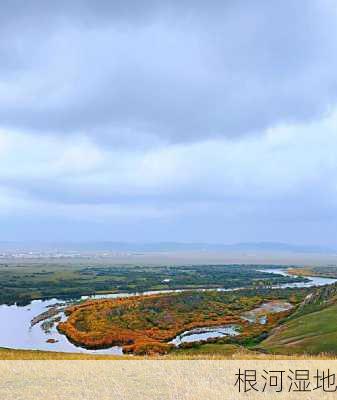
<point x="169" y="121"/>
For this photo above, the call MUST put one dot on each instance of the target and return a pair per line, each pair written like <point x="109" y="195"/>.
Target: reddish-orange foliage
<point x="145" y="324"/>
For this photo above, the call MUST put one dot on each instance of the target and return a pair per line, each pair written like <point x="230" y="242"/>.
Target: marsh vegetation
<point x="21" y="284"/>
<point x="149" y="324"/>
<point x="155" y="310"/>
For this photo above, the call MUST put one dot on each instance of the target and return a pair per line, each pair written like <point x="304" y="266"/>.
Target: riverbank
<point x="18" y="332"/>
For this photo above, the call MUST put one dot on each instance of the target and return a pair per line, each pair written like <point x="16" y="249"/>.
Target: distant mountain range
<point x="161" y="247"/>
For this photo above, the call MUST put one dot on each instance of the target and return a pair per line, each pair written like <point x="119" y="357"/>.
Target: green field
<point x="23" y="283"/>
<point x="312" y="333"/>
<point x="210" y="349"/>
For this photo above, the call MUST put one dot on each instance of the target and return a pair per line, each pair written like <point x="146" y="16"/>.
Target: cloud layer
<point x="175" y="121"/>
<point x="177" y="72"/>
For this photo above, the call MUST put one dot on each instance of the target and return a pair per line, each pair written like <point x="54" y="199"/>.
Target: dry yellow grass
<point x="302" y="272"/>
<point x="148" y="380"/>
<point x="11" y="354"/>
<point x="239" y="354"/>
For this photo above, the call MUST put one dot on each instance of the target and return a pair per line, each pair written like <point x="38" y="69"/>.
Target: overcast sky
<point x="169" y="120"/>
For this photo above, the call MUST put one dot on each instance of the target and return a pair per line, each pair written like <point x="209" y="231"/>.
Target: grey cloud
<point x="129" y="72"/>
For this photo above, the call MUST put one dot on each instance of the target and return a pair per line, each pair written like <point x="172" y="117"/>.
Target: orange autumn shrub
<point x="145" y="324"/>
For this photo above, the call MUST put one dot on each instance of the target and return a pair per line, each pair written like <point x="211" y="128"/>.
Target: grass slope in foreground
<point x="208" y="352"/>
<point x="312" y="333"/>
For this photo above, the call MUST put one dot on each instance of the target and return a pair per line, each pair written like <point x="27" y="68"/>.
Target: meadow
<point x="22" y="283"/>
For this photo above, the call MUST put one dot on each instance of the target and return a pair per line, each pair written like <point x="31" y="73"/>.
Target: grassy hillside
<point x="311" y="333"/>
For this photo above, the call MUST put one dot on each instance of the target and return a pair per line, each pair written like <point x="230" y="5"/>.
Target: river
<point x="16" y="331"/>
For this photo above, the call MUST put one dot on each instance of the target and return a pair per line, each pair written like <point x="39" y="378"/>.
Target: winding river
<point x="16" y="331"/>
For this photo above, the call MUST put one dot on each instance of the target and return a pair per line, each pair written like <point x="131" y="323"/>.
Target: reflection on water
<point x="16" y="332"/>
<point x="312" y="280"/>
<point x="259" y="314"/>
<point x="150" y="292"/>
<point x="199" y="334"/>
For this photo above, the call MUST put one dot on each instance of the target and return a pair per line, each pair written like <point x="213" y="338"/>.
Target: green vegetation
<point x="144" y="325"/>
<point x="22" y="283"/>
<point x="311" y="329"/>
<point x="210" y="349"/>
<point x="312" y="333"/>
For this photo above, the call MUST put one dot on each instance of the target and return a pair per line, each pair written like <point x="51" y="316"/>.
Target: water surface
<point x="199" y="334"/>
<point x="312" y="280"/>
<point x="17" y="333"/>
<point x="260" y="314"/>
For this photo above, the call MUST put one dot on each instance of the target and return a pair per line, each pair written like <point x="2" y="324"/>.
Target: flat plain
<point x="145" y="325"/>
